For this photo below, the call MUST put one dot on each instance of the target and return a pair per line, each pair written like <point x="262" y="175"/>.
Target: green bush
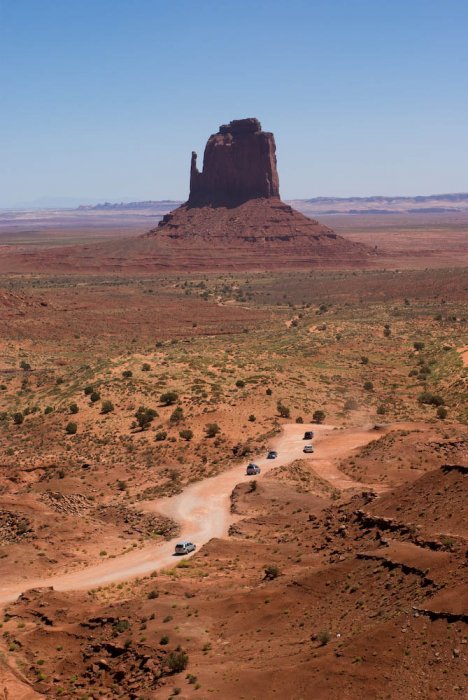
<point x="323" y="637"/>
<point x="318" y="416"/>
<point x="48" y="409"/>
<point x="283" y="410"/>
<point x="25" y="365"/>
<point x="240" y="384"/>
<point x="177" y="416"/>
<point x="271" y="572"/>
<point x="107" y="406"/>
<point x="127" y="373"/>
<point x="71" y="428"/>
<point x="212" y="429"/>
<point x="88" y="390"/>
<point x="430" y="399"/>
<point x="160" y="436"/>
<point x="94" y="396"/>
<point x="73" y="408"/>
<point x="145" y="416"/>
<point x="168" y="398"/>
<point x="418" y="345"/>
<point x="18" y="418"/>
<point x="145" y="367"/>
<point x="186" y="434"/>
<point x="177" y="661"/>
<point x="252" y="418"/>
<point x="441" y="412"/>
<point x="368" y="386"/>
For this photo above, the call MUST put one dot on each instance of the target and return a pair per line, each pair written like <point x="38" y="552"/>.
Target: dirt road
<point x="203" y="508"/>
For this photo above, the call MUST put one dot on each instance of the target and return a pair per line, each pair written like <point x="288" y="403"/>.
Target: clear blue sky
<point x="105" y="99"/>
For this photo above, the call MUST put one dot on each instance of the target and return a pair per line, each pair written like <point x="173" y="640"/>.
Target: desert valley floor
<point x="130" y="404"/>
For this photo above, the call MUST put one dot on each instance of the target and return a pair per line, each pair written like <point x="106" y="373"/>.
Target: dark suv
<point x="308" y="435"/>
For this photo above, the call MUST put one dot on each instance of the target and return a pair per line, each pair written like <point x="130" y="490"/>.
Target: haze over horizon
<point x="102" y="99"/>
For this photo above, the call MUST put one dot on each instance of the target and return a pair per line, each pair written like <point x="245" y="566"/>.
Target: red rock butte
<point x="234" y="217"/>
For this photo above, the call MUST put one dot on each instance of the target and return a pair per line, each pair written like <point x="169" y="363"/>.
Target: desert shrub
<point x="18" y="418"/>
<point x="418" y="345"/>
<point x="299" y="419"/>
<point x="252" y="486"/>
<point x="160" y="436"/>
<point x="121" y="626"/>
<point x="145" y="367"/>
<point x="25" y="365"/>
<point x="368" y="386"/>
<point x="441" y="412"/>
<point x="387" y="331"/>
<point x="212" y="429"/>
<point x="107" y="406"/>
<point x="59" y="380"/>
<point x="153" y="594"/>
<point x="177" y="416"/>
<point x="351" y="405"/>
<point x="381" y="410"/>
<point x="127" y="373"/>
<point x="177" y="661"/>
<point x="364" y="360"/>
<point x="283" y="410"/>
<point x="88" y="390"/>
<point x="48" y="409"/>
<point x="121" y="485"/>
<point x="324" y="637"/>
<point x="168" y="398"/>
<point x="145" y="416"/>
<point x="430" y="399"/>
<point x="318" y="416"/>
<point x="94" y="396"/>
<point x="269" y="392"/>
<point x="3" y="416"/>
<point x="186" y="434"/>
<point x="240" y="384"/>
<point x="164" y="640"/>
<point x="71" y="428"/>
<point x="252" y="418"/>
<point x="271" y="572"/>
<point x="73" y="408"/>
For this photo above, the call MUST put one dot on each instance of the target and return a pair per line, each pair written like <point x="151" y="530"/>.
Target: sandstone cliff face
<point x="239" y="164"/>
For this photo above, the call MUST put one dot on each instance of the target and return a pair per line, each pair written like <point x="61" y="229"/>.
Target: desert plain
<point x="131" y="401"/>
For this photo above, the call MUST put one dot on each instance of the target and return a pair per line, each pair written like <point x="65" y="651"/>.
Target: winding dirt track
<point x="203" y="508"/>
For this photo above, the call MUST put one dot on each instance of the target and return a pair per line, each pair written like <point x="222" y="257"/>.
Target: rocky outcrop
<point x="239" y="164"/>
<point x="235" y="219"/>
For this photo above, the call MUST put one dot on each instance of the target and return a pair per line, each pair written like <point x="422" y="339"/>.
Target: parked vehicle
<point x="308" y="435"/>
<point x="272" y="454"/>
<point x="185" y="547"/>
<point x="308" y="449"/>
<point x="252" y="469"/>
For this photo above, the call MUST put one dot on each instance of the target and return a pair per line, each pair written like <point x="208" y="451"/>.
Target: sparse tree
<point x="145" y="416"/>
<point x="283" y="410"/>
<point x="177" y="416"/>
<point x="186" y="434"/>
<point x="318" y="416"/>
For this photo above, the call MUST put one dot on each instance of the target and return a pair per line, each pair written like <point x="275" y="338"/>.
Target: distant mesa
<point x="234" y="217"/>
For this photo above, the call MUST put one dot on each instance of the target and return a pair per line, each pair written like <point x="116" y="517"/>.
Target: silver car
<point x="185" y="547"/>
